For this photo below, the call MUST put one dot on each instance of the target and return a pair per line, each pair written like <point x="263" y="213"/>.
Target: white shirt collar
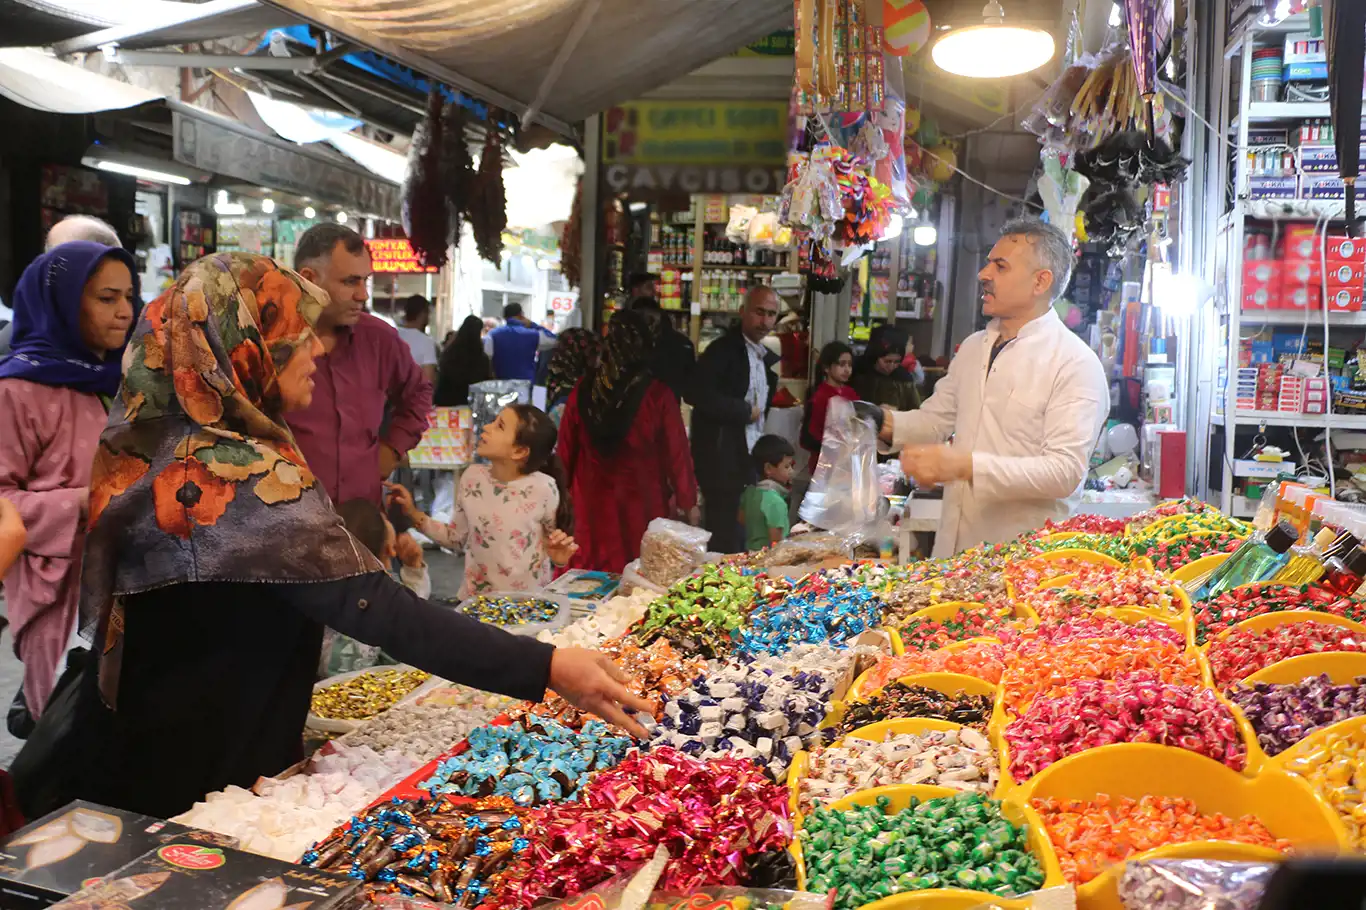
<point x="1044" y="322"/>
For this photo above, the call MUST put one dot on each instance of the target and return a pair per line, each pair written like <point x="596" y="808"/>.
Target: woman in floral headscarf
<point x="214" y="559"/>
<point x="624" y="449"/>
<point x="574" y="354"/>
<point x="73" y="308"/>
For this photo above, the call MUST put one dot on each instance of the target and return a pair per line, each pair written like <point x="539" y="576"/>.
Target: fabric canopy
<point x="40" y="81"/>
<point x="503" y="51"/>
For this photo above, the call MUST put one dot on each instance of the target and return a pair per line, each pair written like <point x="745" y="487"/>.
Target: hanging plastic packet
<point x="1193" y="884"/>
<point x="737" y="229"/>
<point x="844" y="496"/>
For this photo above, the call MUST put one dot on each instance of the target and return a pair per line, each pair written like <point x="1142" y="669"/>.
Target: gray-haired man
<point x="72" y="227"/>
<point x="1024" y="402"/>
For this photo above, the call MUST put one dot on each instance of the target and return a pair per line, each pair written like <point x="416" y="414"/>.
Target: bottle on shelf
<point x="1306" y="560"/>
<point x="1261" y="556"/>
<point x="1343" y="574"/>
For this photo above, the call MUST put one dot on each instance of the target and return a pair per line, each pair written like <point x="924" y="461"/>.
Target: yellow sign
<point x="696" y="133"/>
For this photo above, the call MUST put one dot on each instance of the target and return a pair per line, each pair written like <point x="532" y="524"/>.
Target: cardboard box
<point x="1345" y="275"/>
<point x="1261" y="284"/>
<point x="1345" y="300"/>
<point x="1323" y="187"/>
<point x="1301" y="242"/>
<point x="1274" y="187"/>
<point x="1301" y="272"/>
<point x="1346" y="249"/>
<point x="54" y="857"/>
<point x="1308" y="297"/>
<point x="1250" y="467"/>
<point x="186" y="874"/>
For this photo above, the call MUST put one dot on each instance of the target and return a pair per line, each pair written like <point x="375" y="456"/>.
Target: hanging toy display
<point x="905" y="26"/>
<point x="838" y="57"/>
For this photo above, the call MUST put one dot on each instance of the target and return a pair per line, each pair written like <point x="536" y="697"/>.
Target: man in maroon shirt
<point x="367" y="370"/>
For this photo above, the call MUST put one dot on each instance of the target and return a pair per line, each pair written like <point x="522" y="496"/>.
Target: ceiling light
<point x="310" y="212"/>
<point x="925" y="235"/>
<point x="142" y="173"/>
<point x="1116" y="16"/>
<point x="267" y="205"/>
<point x="224" y="207"/>
<point x="639" y="206"/>
<point x="993" y="50"/>
<point x="341" y="218"/>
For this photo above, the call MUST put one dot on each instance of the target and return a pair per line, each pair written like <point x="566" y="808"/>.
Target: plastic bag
<point x="844" y="496"/>
<point x="1193" y="884"/>
<point x="724" y="897"/>
<point x="741" y="217"/>
<point x="803" y="550"/>
<point x="762" y="229"/>
<point x="671" y="549"/>
<point x="622" y="892"/>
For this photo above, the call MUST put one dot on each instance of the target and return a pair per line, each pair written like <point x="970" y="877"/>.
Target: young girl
<point x="836" y="364"/>
<point x="513" y="516"/>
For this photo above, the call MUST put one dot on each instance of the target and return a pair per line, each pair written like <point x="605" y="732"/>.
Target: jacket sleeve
<point x="1072" y="419"/>
<point x="820" y="403"/>
<point x="51" y="517"/>
<point x="935" y="419"/>
<point x="677" y="454"/>
<point x="377" y="610"/>
<point x="707" y="399"/>
<point x="410" y="397"/>
<point x="571" y="436"/>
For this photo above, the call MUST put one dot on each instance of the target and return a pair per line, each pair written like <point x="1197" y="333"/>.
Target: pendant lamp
<point x="993" y="49"/>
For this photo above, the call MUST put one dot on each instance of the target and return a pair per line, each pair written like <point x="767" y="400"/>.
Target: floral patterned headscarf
<point x="197" y="477"/>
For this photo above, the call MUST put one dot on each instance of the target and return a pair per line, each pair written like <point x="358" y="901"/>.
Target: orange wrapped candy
<point x="981" y="659"/>
<point x="1052" y="672"/>
<point x="1092" y="835"/>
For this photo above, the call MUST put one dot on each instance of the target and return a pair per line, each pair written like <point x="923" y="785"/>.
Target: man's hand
<point x="695" y="516"/>
<point x="399" y="496"/>
<point x="409" y="551"/>
<point x="936" y="464"/>
<point x="389" y="459"/>
<point x="755" y="414"/>
<point x="589" y="681"/>
<point x="560" y="547"/>
<point x="885" y="433"/>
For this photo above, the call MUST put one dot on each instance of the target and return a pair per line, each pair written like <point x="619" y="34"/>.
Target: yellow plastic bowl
<point x="1079" y="554"/>
<point x="863" y="686"/>
<point x="1142" y="562"/>
<point x="1285" y="804"/>
<point x="948" y="898"/>
<point x="1341" y="666"/>
<point x="1194" y="571"/>
<point x="1315" y="741"/>
<point x="1283" y="618"/>
<point x="1181" y="602"/>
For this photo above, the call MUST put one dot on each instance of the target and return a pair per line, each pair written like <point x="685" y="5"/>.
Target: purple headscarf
<point x="46" y="346"/>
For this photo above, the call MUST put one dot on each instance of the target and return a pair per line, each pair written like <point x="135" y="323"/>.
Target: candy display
<point x="714" y="814"/>
<point x="283" y="816"/>
<point x="1053" y="671"/>
<point x="609" y="620"/>
<point x="1334" y="769"/>
<point x="766" y="710"/>
<point x="1193" y="884"/>
<point x="1171" y="553"/>
<point x="656" y="672"/>
<point x="905" y="598"/>
<point x="961" y="759"/>
<point x="970" y="622"/>
<point x="702" y="614"/>
<point x="1283" y="714"/>
<point x="1094" y="587"/>
<point x="1085" y="524"/>
<point x="1184" y="506"/>
<point x="365" y="694"/>
<point x="1105" y="544"/>
<point x="530" y="761"/>
<point x="1239" y="653"/>
<point x="453" y="853"/>
<point x="980" y="659"/>
<point x="867" y="853"/>
<point x="1051" y="634"/>
<point x="1232" y="607"/>
<point x="826" y="606"/>
<point x="1135" y="707"/>
<point x="899" y="700"/>
<point x="510" y="611"/>
<point x="420" y="731"/>
<point x="1026" y="575"/>
<point x="1092" y="835"/>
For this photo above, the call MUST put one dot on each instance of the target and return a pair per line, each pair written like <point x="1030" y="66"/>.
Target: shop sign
<point x="644" y="178"/>
<point x="696" y="133"/>
<point x="394" y="255"/>
<point x="782" y="43"/>
<point x="563" y="303"/>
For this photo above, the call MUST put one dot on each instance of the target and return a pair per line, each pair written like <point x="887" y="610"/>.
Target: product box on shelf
<point x="1261" y="284"/>
<point x="1300" y="272"/>
<point x="1273" y="187"/>
<point x="1301" y="242"/>
<point x="1324" y="187"/>
<point x="1348" y="401"/>
<point x="1346" y="249"/>
<point x="1302" y="297"/>
<point x="1288" y="343"/>
<point x="1254" y="351"/>
<point x="1345" y="275"/>
<point x="1345" y="300"/>
<point x="1316" y="395"/>
<point x="184" y="873"/>
<point x="52" y="858"/>
<point x="1290" y="397"/>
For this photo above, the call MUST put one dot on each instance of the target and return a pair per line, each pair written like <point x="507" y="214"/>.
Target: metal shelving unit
<point x="1232" y="229"/>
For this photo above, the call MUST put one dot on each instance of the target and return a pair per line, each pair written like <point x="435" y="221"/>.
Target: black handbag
<point x="49" y="769"/>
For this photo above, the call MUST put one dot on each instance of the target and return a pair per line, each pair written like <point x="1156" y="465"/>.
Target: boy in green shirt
<point x="763" y="507"/>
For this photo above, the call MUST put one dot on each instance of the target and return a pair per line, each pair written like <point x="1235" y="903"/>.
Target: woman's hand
<point x="13" y="535"/>
<point x="560" y="547"/>
<point x="409" y="551"/>
<point x="398" y="494"/>
<point x="589" y="681"/>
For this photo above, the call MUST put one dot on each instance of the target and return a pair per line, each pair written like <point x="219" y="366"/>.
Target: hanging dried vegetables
<point x="488" y="202"/>
<point x="424" y="209"/>
<point x="571" y="239"/>
<point x="457" y="170"/>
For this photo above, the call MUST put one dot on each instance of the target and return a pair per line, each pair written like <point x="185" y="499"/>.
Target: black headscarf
<point x="573" y="355"/>
<point x="884" y="340"/>
<point x="610" y="394"/>
<point x="463" y="363"/>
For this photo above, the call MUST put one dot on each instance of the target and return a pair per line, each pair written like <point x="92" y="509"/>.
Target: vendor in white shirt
<point x="1023" y="402"/>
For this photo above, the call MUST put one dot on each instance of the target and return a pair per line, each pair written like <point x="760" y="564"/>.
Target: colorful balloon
<point x="906" y="26"/>
<point x="928" y="134"/>
<point x="942" y="161"/>
<point x="912" y="119"/>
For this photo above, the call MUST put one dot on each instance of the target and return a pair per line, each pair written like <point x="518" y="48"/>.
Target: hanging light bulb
<point x="925" y="235"/>
<point x="341" y="218"/>
<point x="310" y="212"/>
<point x="267" y="205"/>
<point x="993" y="50"/>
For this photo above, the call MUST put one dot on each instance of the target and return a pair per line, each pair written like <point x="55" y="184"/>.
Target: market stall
<point x="1072" y="712"/>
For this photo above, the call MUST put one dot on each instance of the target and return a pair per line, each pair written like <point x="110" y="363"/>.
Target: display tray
<point x="561" y="619"/>
<point x="341" y="725"/>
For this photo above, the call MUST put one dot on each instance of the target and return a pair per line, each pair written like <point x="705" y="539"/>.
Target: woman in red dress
<point x="624" y="449"/>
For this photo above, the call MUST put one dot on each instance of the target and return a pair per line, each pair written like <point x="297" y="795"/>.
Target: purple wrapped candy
<point x="1193" y="884"/>
<point x="1282" y="714"/>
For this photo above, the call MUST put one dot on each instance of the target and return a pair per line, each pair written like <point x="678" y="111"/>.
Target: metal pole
<point x="590" y="216"/>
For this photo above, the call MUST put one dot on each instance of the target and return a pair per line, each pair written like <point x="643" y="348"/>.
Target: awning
<point x="130" y="23"/>
<point x="38" y="80"/>
<point x="568" y="59"/>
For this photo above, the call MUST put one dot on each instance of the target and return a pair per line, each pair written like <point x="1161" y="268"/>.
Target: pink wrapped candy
<point x="1135" y="707"/>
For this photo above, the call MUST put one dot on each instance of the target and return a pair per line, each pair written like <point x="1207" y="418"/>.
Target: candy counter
<point x="1057" y="718"/>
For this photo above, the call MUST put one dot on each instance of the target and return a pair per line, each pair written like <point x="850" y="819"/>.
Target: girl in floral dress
<point x="513" y="516"/>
